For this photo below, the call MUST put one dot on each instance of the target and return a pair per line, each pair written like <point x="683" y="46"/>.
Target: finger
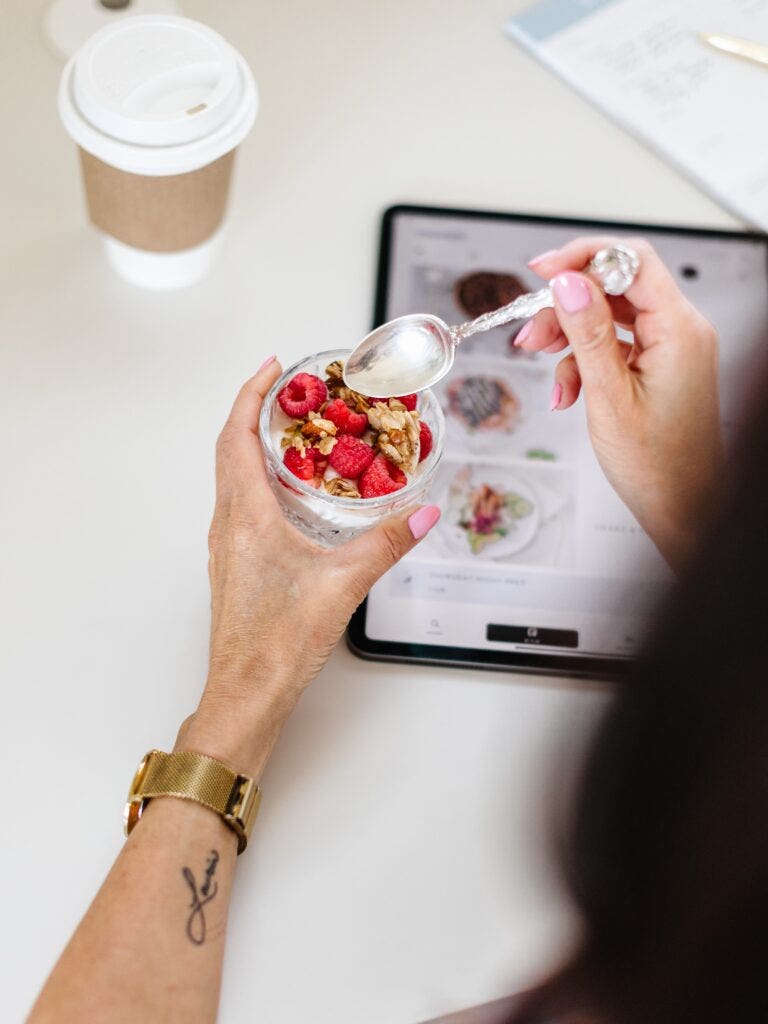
<point x="568" y="378"/>
<point x="587" y="323"/>
<point x="543" y="330"/>
<point x="624" y="313"/>
<point x="562" y="342"/>
<point x="567" y="384"/>
<point x="654" y="286"/>
<point x="369" y="556"/>
<point x="238" y="452"/>
<point x="557" y="346"/>
<point x="245" y="411"/>
<point x="574" y="255"/>
<point x="539" y="332"/>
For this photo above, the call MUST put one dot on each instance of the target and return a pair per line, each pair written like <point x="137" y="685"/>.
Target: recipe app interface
<point x="534" y="549"/>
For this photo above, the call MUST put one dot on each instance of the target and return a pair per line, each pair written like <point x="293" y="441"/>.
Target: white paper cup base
<point x="161" y="270"/>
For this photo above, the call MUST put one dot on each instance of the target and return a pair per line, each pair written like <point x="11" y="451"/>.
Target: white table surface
<point x="400" y="867"/>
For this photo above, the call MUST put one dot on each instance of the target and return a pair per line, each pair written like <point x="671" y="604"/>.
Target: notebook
<point x="645" y="65"/>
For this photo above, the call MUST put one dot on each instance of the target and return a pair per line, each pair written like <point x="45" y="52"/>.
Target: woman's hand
<point x="279" y="602"/>
<point x="652" y="406"/>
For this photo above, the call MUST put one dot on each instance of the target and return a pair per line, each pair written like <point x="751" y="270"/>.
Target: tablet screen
<point x="535" y="553"/>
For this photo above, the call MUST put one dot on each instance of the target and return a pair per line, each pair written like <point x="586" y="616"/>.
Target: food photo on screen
<point x="504" y="512"/>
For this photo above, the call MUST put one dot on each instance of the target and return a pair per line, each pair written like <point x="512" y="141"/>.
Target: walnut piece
<point x="398" y="433"/>
<point x="293" y="438"/>
<point x="326" y="445"/>
<point x="317" y="433"/>
<point x="318" y="428"/>
<point x="341" y="488"/>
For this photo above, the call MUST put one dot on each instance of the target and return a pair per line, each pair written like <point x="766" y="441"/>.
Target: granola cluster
<point x="397" y="433"/>
<point x="314" y="432"/>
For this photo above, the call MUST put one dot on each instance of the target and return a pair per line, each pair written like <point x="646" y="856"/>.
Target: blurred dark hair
<point x="668" y="849"/>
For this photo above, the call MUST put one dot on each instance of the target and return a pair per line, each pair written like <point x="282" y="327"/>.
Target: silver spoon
<point x="414" y="352"/>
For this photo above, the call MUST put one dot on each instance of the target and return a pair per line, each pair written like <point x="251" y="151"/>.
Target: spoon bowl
<point x="404" y="355"/>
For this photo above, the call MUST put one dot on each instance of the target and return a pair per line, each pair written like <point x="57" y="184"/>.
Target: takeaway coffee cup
<point x="157" y="106"/>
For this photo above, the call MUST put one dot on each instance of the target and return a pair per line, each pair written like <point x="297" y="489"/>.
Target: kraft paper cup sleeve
<point x="157" y="213"/>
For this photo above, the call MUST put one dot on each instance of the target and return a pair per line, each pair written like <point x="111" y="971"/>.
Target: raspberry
<point x="337" y="412"/>
<point x="302" y="394"/>
<point x="347" y="420"/>
<point x="350" y="456"/>
<point x="381" y="477"/>
<point x="425" y="441"/>
<point x="302" y="466"/>
<point x="409" y="401"/>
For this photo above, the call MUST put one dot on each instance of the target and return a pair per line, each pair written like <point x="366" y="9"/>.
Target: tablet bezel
<point x="467" y="657"/>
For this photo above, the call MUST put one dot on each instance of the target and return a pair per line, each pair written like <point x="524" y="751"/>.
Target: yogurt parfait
<point x="341" y="462"/>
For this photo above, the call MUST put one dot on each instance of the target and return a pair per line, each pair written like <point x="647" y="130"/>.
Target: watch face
<point x="126" y="815"/>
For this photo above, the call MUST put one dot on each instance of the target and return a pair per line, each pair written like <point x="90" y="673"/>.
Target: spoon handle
<point x="615" y="269"/>
<point x="520" y="308"/>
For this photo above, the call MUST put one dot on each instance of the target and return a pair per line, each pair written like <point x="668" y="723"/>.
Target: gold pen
<point x="738" y="47"/>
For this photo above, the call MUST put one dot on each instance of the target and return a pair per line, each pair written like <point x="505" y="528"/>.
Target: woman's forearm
<point x="150" y="946"/>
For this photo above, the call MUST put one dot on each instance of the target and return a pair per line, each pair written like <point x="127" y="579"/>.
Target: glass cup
<point x="323" y="517"/>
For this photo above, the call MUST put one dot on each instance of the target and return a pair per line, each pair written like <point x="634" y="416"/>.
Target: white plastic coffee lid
<point x="157" y="95"/>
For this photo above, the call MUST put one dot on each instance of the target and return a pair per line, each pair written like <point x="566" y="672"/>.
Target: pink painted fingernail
<point x="572" y="292"/>
<point x="544" y="256"/>
<point x="265" y="364"/>
<point x="557" y="394"/>
<point x="524" y="333"/>
<point x="422" y="521"/>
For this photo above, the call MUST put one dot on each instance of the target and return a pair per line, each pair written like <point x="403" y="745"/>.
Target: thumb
<point x="369" y="556"/>
<point x="587" y="323"/>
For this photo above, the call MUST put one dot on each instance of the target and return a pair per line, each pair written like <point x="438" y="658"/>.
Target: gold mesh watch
<point x="199" y="778"/>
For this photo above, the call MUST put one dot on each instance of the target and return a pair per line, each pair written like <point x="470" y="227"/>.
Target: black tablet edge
<point x="363" y="646"/>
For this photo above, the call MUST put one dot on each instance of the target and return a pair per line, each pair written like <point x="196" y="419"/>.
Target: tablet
<point x="564" y="580"/>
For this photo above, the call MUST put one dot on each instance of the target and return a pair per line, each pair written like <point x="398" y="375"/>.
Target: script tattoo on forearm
<point x="196" y="922"/>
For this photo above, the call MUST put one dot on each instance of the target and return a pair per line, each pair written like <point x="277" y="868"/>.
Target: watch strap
<point x="197" y="777"/>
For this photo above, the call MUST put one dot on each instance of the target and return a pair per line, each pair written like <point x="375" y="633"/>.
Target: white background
<point x="400" y="866"/>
